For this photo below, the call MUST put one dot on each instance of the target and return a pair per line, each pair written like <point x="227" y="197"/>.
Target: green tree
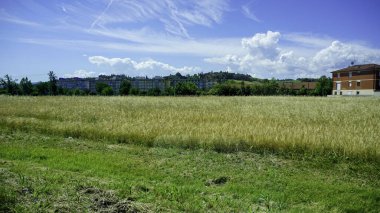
<point x="271" y="87"/>
<point x="26" y="86"/>
<point x="9" y="85"/>
<point x="53" y="88"/>
<point x="169" y="91"/>
<point x="42" y="88"/>
<point x="186" y="88"/>
<point x="108" y="91"/>
<point x="125" y="87"/>
<point x="226" y="89"/>
<point x="134" y="91"/>
<point x="154" y="92"/>
<point x="100" y="86"/>
<point x="324" y="86"/>
<point x="78" y="92"/>
<point x="302" y="91"/>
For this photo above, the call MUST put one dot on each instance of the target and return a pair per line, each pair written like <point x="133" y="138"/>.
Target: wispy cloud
<point x="102" y="14"/>
<point x="249" y="13"/>
<point x="174" y="15"/>
<point x="4" y="16"/>
<point x="108" y="24"/>
<point x="203" y="48"/>
<point x="308" y="39"/>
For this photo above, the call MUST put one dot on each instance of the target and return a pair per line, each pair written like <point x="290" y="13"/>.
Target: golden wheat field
<point x="341" y="126"/>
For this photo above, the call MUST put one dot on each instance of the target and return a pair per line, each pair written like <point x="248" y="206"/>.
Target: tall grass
<point x="335" y="126"/>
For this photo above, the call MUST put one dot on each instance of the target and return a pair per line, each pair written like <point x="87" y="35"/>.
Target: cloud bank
<point x="148" y="67"/>
<point x="265" y="58"/>
<point x="82" y="74"/>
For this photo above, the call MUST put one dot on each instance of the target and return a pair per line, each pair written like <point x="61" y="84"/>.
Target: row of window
<point x="357" y="84"/>
<point x="350" y="84"/>
<point x="350" y="74"/>
<point x="349" y="93"/>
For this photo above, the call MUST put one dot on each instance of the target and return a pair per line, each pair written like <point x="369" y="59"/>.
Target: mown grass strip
<point x="49" y="173"/>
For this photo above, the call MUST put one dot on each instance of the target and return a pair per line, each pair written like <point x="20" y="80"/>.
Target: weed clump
<point x="217" y="181"/>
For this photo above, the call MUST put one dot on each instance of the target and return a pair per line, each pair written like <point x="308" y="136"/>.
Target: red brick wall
<point x="366" y="80"/>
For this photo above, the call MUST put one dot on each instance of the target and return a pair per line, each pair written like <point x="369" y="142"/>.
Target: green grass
<point x="189" y="154"/>
<point x="50" y="173"/>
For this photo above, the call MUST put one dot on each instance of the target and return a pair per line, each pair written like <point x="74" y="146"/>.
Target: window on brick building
<point x="358" y="83"/>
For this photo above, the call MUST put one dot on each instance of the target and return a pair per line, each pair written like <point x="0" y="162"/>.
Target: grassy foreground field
<point x="131" y="154"/>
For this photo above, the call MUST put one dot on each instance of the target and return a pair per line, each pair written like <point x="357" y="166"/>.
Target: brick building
<point x="357" y="80"/>
<point x="298" y="85"/>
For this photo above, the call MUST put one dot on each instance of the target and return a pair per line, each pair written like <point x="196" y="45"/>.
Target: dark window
<point x="358" y="83"/>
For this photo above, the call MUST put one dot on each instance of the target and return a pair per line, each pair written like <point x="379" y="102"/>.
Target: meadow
<point x="192" y="154"/>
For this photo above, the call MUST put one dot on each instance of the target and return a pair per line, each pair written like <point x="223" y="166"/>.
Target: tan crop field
<point x="189" y="154"/>
<point x="341" y="126"/>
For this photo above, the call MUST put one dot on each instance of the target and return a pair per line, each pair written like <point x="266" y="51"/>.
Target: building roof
<point x="362" y="67"/>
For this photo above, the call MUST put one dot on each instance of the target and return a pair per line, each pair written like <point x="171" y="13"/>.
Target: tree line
<point x="227" y="87"/>
<point x="271" y="87"/>
<point x="9" y="86"/>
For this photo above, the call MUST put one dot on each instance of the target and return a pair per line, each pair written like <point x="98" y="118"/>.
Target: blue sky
<point x="263" y="38"/>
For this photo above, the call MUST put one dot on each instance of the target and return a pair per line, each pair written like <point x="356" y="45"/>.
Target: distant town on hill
<point x="211" y="83"/>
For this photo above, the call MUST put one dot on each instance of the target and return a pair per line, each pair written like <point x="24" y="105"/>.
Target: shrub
<point x="134" y="91"/>
<point x="154" y="92"/>
<point x="107" y="91"/>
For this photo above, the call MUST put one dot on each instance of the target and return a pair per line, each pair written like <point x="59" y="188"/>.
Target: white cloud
<point x="340" y="54"/>
<point x="81" y="74"/>
<point x="266" y="58"/>
<point x="148" y="67"/>
<point x="263" y="44"/>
